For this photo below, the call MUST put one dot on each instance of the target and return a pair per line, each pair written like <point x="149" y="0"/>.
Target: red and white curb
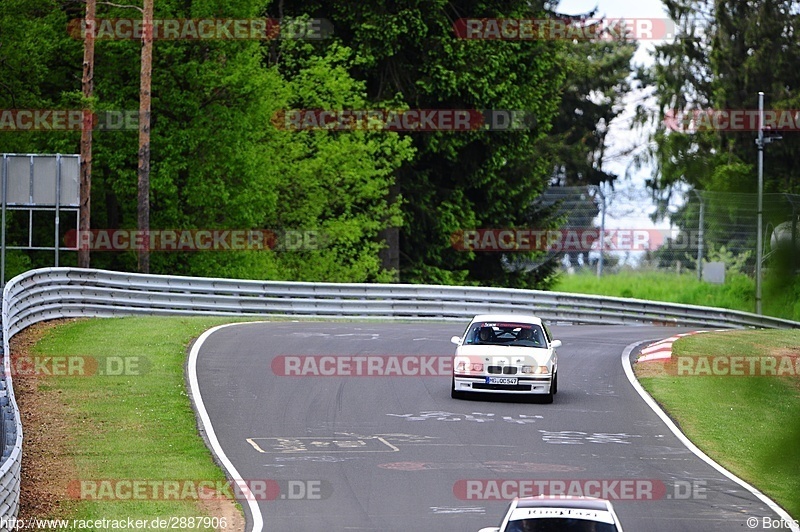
<point x="662" y="350"/>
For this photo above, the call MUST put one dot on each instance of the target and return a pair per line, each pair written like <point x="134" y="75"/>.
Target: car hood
<point x="513" y="355"/>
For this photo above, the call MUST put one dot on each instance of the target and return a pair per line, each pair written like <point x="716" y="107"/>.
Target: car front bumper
<point x="529" y="385"/>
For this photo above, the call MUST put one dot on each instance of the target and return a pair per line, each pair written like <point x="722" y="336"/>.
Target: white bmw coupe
<point x="506" y="354"/>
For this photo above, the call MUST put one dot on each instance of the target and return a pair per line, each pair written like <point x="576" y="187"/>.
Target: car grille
<point x="504" y="370"/>
<point x="503" y="387"/>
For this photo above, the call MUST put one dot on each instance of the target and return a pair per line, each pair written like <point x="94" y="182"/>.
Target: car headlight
<point x="467" y="366"/>
<point x="535" y="370"/>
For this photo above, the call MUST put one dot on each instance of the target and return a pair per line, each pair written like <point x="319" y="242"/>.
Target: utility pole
<point x="761" y="141"/>
<point x="143" y="170"/>
<point x="87" y="84"/>
<point x="602" y="230"/>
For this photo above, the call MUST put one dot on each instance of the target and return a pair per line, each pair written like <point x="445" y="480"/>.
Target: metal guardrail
<point x="50" y="293"/>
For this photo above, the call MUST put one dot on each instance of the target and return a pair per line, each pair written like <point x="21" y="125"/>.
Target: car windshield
<point x="513" y="334"/>
<point x="558" y="525"/>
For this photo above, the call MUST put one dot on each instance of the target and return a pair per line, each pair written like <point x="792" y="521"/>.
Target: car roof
<point x="563" y="502"/>
<point x="512" y="318"/>
<point x="561" y="507"/>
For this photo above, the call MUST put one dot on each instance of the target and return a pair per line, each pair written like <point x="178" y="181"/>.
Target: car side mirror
<point x="555" y="343"/>
<point x="456" y="340"/>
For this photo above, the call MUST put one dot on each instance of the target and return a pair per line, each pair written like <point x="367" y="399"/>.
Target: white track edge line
<point x="258" y="520"/>
<point x="648" y="399"/>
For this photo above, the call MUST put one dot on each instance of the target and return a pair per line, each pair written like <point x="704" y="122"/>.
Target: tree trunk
<point x="143" y="171"/>
<point x="84" y="216"/>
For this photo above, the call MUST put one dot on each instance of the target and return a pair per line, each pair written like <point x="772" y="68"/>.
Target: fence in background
<point x="706" y="227"/>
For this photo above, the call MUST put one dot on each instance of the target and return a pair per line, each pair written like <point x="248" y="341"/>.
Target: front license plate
<point x="501" y="380"/>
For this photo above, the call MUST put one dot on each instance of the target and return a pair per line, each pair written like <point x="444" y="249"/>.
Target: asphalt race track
<point x="391" y="453"/>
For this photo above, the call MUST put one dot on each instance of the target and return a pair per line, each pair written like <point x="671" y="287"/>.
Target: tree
<point x="721" y="59"/>
<point x="143" y="169"/>
<point x="219" y="161"/>
<point x="87" y="83"/>
<point x="591" y="98"/>
<point x="409" y="57"/>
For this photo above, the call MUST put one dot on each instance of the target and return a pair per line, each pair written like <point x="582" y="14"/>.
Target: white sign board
<point x="32" y="180"/>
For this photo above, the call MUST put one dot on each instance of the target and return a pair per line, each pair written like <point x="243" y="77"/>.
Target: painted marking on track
<point x="315" y="458"/>
<point x="213" y="441"/>
<point x="255" y="445"/>
<point x="370" y="336"/>
<point x="329" y="445"/>
<point x="572" y="437"/>
<point x="497" y="467"/>
<point x="448" y="510"/>
<point x="406" y="438"/>
<point x="478" y="417"/>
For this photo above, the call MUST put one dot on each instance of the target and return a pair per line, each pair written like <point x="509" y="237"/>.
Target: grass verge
<point x="781" y="298"/>
<point x="102" y="428"/>
<point x="750" y="424"/>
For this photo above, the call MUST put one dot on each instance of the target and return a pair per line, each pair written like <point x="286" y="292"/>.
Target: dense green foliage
<point x="219" y="162"/>
<point x="724" y="53"/>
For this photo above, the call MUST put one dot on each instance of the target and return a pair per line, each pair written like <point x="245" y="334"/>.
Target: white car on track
<point x="506" y="354"/>
<point x="562" y="514"/>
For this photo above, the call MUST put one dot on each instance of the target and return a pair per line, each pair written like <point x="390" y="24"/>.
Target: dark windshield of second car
<point x="513" y="334"/>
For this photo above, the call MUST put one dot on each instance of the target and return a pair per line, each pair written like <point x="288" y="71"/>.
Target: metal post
<point x="794" y="221"/>
<point x="58" y="202"/>
<point x="30" y="202"/>
<point x="700" y="235"/>
<point x="759" y="243"/>
<point x="602" y="231"/>
<point x="3" y="237"/>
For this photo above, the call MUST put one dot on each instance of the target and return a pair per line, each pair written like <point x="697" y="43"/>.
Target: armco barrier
<point x="50" y="293"/>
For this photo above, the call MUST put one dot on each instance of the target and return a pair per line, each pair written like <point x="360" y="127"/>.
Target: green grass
<point x="135" y="426"/>
<point x="748" y="424"/>
<point x="779" y="298"/>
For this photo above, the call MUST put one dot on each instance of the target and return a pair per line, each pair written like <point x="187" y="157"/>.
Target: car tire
<point x="554" y="385"/>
